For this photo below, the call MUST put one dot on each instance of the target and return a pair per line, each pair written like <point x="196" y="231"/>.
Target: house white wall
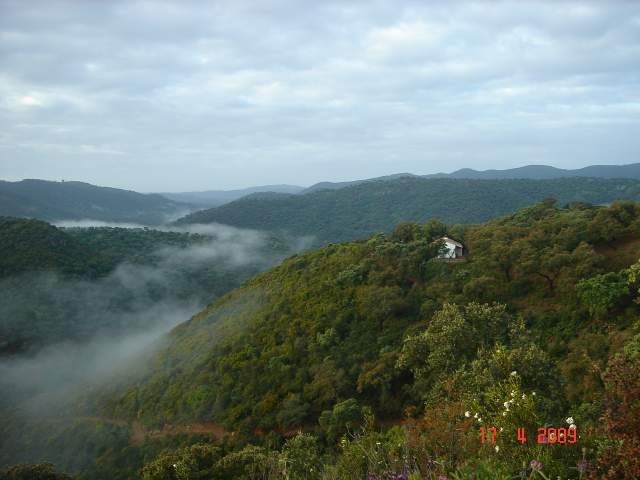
<point x="450" y="251"/>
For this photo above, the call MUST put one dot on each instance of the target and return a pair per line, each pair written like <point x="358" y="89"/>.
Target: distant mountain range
<point x="54" y="201"/>
<point x="544" y="172"/>
<point x="531" y="172"/>
<point x="214" y="198"/>
<point x="358" y="210"/>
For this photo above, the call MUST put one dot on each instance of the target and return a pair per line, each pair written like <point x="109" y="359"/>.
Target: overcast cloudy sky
<point x="185" y="95"/>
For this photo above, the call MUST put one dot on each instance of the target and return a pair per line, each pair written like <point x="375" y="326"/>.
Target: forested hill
<point x="215" y="198"/>
<point x="361" y="210"/>
<point x="379" y="323"/>
<point x="53" y="201"/>
<point x="388" y="359"/>
<point x="33" y="245"/>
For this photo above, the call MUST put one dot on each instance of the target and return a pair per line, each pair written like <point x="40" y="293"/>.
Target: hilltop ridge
<point x="358" y="211"/>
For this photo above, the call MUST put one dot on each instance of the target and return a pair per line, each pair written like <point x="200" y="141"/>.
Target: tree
<point x="447" y="342"/>
<point x="496" y="249"/>
<point x="293" y="411"/>
<point x="552" y="262"/>
<point x="40" y="471"/>
<point x="619" y="456"/>
<point x="300" y="458"/>
<point x="601" y="292"/>
<point x="197" y="462"/>
<point x="344" y="416"/>
<point x="250" y="463"/>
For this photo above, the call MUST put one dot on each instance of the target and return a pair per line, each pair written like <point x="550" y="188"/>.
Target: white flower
<point x="497" y="448"/>
<point x="175" y="465"/>
<point x="504" y="414"/>
<point x="570" y="420"/>
<point x="479" y="420"/>
<point x="467" y="414"/>
<point x="475" y="416"/>
<point x="377" y="443"/>
<point x="513" y="393"/>
<point x="501" y="428"/>
<point x="533" y="393"/>
<point x="514" y="373"/>
<point x="524" y="396"/>
<point x="506" y="405"/>
<point x="573" y="425"/>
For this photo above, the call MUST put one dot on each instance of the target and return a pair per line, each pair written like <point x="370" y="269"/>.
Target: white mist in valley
<point x="110" y="324"/>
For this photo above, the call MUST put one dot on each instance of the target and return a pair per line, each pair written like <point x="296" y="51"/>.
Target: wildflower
<point x="533" y="393"/>
<point x="501" y="428"/>
<point x="497" y="448"/>
<point x="573" y="425"/>
<point x="514" y="373"/>
<point x="377" y="443"/>
<point x="506" y="405"/>
<point x="513" y="393"/>
<point x="570" y="420"/>
<point x="524" y="396"/>
<point x="582" y="466"/>
<point x="467" y="414"/>
<point x="475" y="415"/>
<point x="479" y="420"/>
<point x="504" y="414"/>
<point x="175" y="465"/>
<point x="536" y="465"/>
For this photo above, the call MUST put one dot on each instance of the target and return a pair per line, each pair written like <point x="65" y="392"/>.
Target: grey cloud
<point x="197" y="95"/>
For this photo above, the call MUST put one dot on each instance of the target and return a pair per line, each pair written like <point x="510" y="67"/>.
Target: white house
<point x="453" y="250"/>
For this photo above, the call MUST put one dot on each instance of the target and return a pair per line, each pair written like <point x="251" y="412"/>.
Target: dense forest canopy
<point x="361" y="210"/>
<point x="387" y="361"/>
<point x="34" y="245"/>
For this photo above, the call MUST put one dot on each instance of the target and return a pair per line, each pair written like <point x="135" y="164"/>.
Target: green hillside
<point x="34" y="245"/>
<point x="54" y="201"/>
<point x="361" y="210"/>
<point x="537" y="326"/>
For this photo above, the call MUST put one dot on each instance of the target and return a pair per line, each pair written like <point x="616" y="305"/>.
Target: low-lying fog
<point x="89" y="329"/>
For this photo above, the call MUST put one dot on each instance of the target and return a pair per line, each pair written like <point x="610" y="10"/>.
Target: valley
<point x="352" y="342"/>
<point x="336" y="240"/>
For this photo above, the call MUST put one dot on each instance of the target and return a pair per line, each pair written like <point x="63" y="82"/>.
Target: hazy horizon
<point x="174" y="96"/>
<point x="244" y="187"/>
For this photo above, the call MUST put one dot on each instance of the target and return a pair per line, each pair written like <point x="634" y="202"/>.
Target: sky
<point x="199" y="95"/>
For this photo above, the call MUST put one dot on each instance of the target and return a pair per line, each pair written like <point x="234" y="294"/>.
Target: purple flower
<point x="536" y="465"/>
<point x="582" y="466"/>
